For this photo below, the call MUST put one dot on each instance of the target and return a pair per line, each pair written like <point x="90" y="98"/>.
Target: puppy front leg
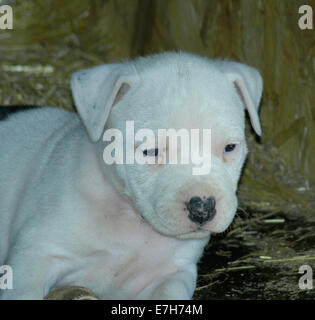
<point x="178" y="286"/>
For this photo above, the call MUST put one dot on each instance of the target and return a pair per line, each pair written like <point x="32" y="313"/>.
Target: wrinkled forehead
<point x="183" y="96"/>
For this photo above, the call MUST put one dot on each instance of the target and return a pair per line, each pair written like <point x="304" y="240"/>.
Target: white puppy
<point x="126" y="231"/>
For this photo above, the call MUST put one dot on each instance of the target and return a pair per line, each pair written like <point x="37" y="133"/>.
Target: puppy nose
<point x="201" y="210"/>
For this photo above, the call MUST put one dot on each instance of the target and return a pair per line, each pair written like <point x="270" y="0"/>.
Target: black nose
<point x="201" y="210"/>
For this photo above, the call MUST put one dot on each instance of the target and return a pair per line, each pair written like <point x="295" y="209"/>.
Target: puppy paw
<point x="71" y="293"/>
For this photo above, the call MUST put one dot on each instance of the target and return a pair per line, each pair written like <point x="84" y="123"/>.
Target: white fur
<point x="67" y="218"/>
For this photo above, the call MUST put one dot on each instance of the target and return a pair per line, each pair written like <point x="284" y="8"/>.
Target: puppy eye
<point x="151" y="152"/>
<point x="229" y="147"/>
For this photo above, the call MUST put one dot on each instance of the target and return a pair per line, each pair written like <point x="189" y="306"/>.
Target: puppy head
<point x="174" y="91"/>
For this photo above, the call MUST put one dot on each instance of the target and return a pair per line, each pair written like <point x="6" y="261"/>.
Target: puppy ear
<point x="96" y="90"/>
<point x="249" y="85"/>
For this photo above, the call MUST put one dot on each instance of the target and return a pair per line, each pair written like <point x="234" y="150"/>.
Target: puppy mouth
<point x="198" y="233"/>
